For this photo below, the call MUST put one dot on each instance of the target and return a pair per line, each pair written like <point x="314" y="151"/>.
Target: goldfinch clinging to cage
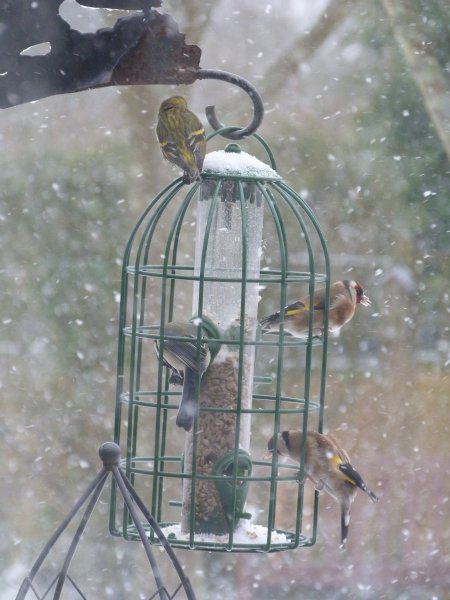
<point x="328" y="466"/>
<point x="344" y="296"/>
<point x="183" y="355"/>
<point x="181" y="137"/>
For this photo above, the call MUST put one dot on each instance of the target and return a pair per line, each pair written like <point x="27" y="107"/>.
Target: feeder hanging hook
<point x="258" y="108"/>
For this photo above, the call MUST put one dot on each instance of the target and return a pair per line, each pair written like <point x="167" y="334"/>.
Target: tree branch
<point x="303" y="47"/>
<point x="425" y="69"/>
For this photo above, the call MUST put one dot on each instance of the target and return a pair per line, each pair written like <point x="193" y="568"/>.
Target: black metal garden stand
<point x="110" y="455"/>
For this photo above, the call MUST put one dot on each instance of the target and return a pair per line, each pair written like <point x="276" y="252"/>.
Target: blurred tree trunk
<point x="303" y="47"/>
<point x="196" y="20"/>
<point x="428" y="75"/>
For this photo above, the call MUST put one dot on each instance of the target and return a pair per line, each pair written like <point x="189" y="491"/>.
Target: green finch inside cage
<point x="181" y="137"/>
<point x="188" y="357"/>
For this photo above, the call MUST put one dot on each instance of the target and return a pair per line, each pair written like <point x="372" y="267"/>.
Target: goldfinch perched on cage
<point x="328" y="466"/>
<point x="184" y="354"/>
<point x="181" y="137"/>
<point x="344" y="296"/>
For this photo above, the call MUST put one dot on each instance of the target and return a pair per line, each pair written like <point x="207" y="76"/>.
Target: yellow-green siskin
<point x="328" y="466"/>
<point x="181" y="137"/>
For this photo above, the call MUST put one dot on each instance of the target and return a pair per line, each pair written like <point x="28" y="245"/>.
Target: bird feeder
<point x="226" y="250"/>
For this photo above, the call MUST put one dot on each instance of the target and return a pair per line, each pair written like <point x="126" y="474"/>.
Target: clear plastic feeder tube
<point x="226" y="290"/>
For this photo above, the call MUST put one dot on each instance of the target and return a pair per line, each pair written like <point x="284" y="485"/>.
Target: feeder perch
<point x="226" y="487"/>
<point x="229" y="249"/>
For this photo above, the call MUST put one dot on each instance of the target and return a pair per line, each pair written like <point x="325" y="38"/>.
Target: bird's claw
<point x="176" y="378"/>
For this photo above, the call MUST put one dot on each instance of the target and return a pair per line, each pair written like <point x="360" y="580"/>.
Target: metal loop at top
<point x="258" y="108"/>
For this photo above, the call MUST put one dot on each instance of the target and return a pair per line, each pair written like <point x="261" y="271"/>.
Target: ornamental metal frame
<point x="110" y="455"/>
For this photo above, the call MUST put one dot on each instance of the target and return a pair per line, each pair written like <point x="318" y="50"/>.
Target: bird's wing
<point x="339" y="300"/>
<point x="335" y="299"/>
<point x="337" y="449"/>
<point x="192" y="131"/>
<point x="351" y="474"/>
<point x="196" y="140"/>
<point x="176" y="376"/>
<point x="161" y="131"/>
<point x="164" y="361"/>
<point x="168" y="142"/>
<point x="319" y="299"/>
<point x="171" y="152"/>
<point x="289" y="311"/>
<point x="354" y="477"/>
<point x="186" y="353"/>
<point x="295" y="308"/>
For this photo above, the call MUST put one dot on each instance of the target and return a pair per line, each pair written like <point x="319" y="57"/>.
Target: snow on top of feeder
<point x="246" y="533"/>
<point x="234" y="162"/>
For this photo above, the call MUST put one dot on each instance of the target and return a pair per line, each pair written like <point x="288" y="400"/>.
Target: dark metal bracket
<point x="110" y="455"/>
<point x="145" y="48"/>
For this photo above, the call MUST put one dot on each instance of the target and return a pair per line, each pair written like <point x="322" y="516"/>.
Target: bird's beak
<point x="268" y="455"/>
<point x="365" y="300"/>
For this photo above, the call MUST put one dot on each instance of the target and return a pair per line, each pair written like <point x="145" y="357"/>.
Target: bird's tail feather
<point x="345" y="521"/>
<point x="191" y="174"/>
<point x="266" y="324"/>
<point x="188" y="404"/>
<point x="290" y="311"/>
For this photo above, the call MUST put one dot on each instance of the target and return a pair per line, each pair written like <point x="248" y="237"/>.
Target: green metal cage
<point x="232" y="248"/>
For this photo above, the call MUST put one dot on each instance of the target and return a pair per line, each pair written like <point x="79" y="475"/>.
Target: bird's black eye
<point x="359" y="290"/>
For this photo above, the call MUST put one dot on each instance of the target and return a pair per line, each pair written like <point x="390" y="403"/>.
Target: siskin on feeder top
<point x="181" y="137"/>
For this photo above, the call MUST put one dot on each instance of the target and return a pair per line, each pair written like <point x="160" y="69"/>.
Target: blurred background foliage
<point x="357" y="114"/>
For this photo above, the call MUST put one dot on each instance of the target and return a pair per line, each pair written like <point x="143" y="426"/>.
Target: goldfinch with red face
<point x="328" y="466"/>
<point x="344" y="296"/>
<point x="181" y="137"/>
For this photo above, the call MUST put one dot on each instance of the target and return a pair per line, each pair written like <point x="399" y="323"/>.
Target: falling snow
<point x="353" y="128"/>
